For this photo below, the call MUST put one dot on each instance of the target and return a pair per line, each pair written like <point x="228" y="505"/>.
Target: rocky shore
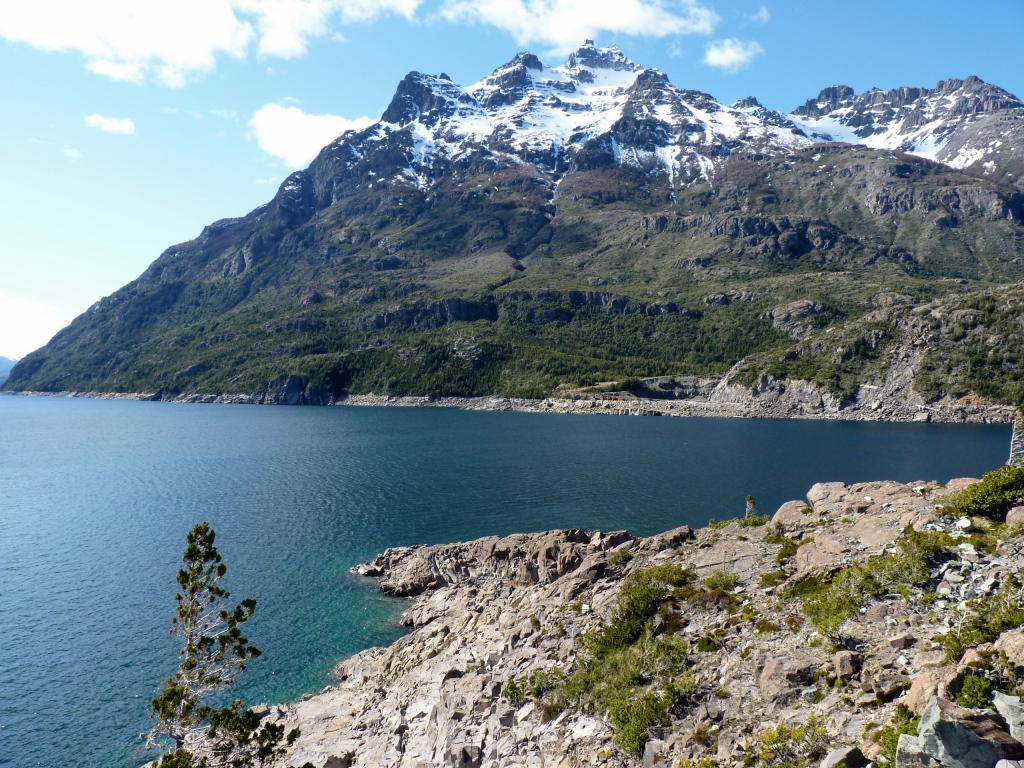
<point x="788" y="400"/>
<point x="511" y="657"/>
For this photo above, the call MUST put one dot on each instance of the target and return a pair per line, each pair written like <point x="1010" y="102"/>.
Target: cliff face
<point x="823" y="631"/>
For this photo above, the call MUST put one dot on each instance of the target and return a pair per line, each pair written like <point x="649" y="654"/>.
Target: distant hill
<point x="5" y="367"/>
<point x="559" y="230"/>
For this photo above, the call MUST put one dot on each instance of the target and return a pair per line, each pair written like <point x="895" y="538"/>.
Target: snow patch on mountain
<point x="599" y="104"/>
<point x="961" y="123"/>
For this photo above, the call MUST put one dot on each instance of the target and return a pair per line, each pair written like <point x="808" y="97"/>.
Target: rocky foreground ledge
<point x="495" y="670"/>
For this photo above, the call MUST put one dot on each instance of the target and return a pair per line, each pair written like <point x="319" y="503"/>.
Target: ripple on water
<point x="96" y="497"/>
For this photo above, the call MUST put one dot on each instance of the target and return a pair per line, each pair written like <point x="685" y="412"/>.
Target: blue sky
<point x="129" y="126"/>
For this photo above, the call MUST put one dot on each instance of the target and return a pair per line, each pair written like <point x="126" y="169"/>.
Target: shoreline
<point x="497" y="624"/>
<point x="747" y="408"/>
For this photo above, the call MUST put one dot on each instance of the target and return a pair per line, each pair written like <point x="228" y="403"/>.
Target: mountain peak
<point x="589" y="56"/>
<point x="419" y="94"/>
<point x="960" y="123"/>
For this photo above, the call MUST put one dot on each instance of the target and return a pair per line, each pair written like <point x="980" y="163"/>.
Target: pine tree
<point x="213" y="653"/>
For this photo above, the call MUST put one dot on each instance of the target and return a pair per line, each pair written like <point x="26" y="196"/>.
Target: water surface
<point x="96" y="498"/>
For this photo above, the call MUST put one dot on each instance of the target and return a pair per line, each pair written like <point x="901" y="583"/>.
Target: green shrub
<point x="786" y="746"/>
<point x="621" y="556"/>
<point x="772" y="578"/>
<point x="787" y="547"/>
<point x="710" y="642"/>
<point x="704" y="762"/>
<point x="633" y="718"/>
<point x="620" y="679"/>
<point x="641" y="593"/>
<point x="902" y="722"/>
<point x="513" y="693"/>
<point x="723" y="580"/>
<point x="992" y="496"/>
<point x="764" y="626"/>
<point x="748" y="521"/>
<point x="975" y="692"/>
<point x="829" y="603"/>
<point x="986" y="618"/>
<point x="753" y="521"/>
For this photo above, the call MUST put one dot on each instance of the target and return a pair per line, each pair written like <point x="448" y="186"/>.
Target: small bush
<point x="786" y="746"/>
<point x="621" y="556"/>
<point x="513" y="693"/>
<point x="772" y="578"/>
<point x="723" y="580"/>
<point x="765" y="627"/>
<point x="639" y="597"/>
<point x="902" y="722"/>
<point x="986" y="618"/>
<point x="787" y="547"/>
<point x="753" y="521"/>
<point x="710" y="642"/>
<point x="992" y="496"/>
<point x="829" y="603"/>
<point x="975" y="692"/>
<point x="704" y="762"/>
<point x="633" y="718"/>
<point x="629" y="683"/>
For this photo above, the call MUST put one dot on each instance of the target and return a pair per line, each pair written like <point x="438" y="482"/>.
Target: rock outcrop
<point x="488" y="616"/>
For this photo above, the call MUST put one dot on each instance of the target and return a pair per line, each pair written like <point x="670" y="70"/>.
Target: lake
<point x="96" y="498"/>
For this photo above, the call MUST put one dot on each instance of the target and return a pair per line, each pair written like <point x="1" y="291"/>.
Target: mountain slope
<point x="543" y="230"/>
<point x="966" y="123"/>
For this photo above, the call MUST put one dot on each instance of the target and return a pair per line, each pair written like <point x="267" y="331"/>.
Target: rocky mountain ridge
<point x="550" y="230"/>
<point x="962" y="123"/>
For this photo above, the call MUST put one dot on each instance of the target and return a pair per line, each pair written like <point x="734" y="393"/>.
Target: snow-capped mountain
<point x="598" y="109"/>
<point x="962" y="123"/>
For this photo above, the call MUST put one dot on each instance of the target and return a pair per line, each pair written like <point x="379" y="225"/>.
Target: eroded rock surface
<point x="501" y="608"/>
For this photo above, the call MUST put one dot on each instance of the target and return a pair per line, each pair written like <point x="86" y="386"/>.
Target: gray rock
<point x="847" y="757"/>
<point x="910" y="753"/>
<point x="1015" y="515"/>
<point x="958" y="738"/>
<point x="846" y="664"/>
<point x="1012" y="710"/>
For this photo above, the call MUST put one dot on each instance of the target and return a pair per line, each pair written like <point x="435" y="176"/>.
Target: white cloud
<point x="27" y="325"/>
<point x="120" y="125"/>
<point x="761" y="16"/>
<point x="564" y="24"/>
<point x="72" y="153"/>
<point x="295" y="136"/>
<point x="731" y="55"/>
<point x="174" y="41"/>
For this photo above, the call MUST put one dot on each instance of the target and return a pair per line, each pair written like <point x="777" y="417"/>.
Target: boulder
<point x="959" y="738"/>
<point x="781" y="675"/>
<point x="959" y="483"/>
<point x="847" y="757"/>
<point x="929" y="683"/>
<point x="1012" y="710"/>
<point x="845" y="664"/>
<point x="1012" y="644"/>
<point x="793" y="515"/>
<point x="1015" y="516"/>
<point x="910" y="753"/>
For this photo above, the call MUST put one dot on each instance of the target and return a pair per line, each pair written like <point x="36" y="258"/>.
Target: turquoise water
<point x="96" y="498"/>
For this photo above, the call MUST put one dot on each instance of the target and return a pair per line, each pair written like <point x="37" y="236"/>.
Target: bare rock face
<point x="487" y="612"/>
<point x="958" y="738"/>
<point x="520" y="558"/>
